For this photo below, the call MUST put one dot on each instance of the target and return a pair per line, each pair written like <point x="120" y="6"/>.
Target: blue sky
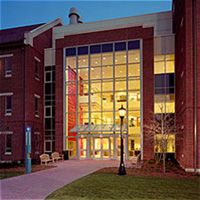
<point x="21" y="13"/>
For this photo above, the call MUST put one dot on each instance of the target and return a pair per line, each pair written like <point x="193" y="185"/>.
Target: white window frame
<point x="37" y="97"/>
<point x="50" y="76"/>
<point x="8" y="112"/>
<point x="50" y="111"/>
<point x="37" y="60"/>
<point x="8" y="148"/>
<point x="45" y="146"/>
<point x="7" y="56"/>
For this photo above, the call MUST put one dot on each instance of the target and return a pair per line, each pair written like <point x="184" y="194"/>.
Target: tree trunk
<point x="164" y="163"/>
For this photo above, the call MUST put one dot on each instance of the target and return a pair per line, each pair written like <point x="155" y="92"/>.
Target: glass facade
<point x="164" y="97"/>
<point x="98" y="80"/>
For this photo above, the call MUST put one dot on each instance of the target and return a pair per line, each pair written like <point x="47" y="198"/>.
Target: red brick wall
<point x="100" y="37"/>
<point x="13" y="122"/>
<point x="184" y="66"/>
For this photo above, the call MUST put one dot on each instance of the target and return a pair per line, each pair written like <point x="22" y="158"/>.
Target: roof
<point x="16" y="34"/>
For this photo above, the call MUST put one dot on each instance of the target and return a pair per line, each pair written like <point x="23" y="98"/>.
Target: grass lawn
<point x="112" y="186"/>
<point x="4" y="175"/>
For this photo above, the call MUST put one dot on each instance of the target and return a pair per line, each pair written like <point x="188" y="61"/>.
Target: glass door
<point x="82" y="147"/>
<point x="101" y="148"/>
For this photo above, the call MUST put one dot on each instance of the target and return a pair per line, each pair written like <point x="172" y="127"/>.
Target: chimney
<point x="80" y="20"/>
<point x="73" y="16"/>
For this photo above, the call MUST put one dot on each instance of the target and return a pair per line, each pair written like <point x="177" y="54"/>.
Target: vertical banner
<point x="28" y="150"/>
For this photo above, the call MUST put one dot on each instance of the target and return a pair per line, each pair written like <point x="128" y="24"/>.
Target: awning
<point x="97" y="128"/>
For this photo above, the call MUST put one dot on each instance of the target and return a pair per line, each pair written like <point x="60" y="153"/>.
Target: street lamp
<point x="122" y="171"/>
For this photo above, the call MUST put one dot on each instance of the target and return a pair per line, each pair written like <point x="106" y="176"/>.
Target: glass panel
<point x="169" y="57"/>
<point x="83" y="87"/>
<point x="83" y="61"/>
<point x="95" y="102"/>
<point x="134" y="122"/>
<point x="95" y="87"/>
<point x="159" y="58"/>
<point x="71" y="62"/>
<point x="83" y="102"/>
<point x="83" y="154"/>
<point x="134" y="70"/>
<point x="120" y="70"/>
<point x="107" y="118"/>
<point x="95" y="49"/>
<point x="159" y="67"/>
<point x="120" y="86"/>
<point x="83" y="118"/>
<point x="134" y="84"/>
<point x="70" y="75"/>
<point x="71" y="52"/>
<point x="83" y="142"/>
<point x="70" y="88"/>
<point x="107" y="86"/>
<point x="107" y="58"/>
<point x="164" y="103"/>
<point x="71" y="103"/>
<point x="120" y="46"/>
<point x="107" y="47"/>
<point x="133" y="56"/>
<point x="97" y="143"/>
<point x="95" y="118"/>
<point x="95" y="73"/>
<point x="105" y="154"/>
<point x="134" y="100"/>
<point x="82" y="50"/>
<point x="83" y="74"/>
<point x="95" y="60"/>
<point x="170" y="67"/>
<point x="120" y="57"/>
<point x="120" y="99"/>
<point x="134" y="146"/>
<point x="105" y="143"/>
<point x="107" y="72"/>
<point x="107" y="101"/>
<point x="133" y="45"/>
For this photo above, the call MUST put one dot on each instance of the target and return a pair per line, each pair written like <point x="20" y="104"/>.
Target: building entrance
<point x="101" y="148"/>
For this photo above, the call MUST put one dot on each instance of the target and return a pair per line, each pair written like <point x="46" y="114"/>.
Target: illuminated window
<point x="8" y="66"/>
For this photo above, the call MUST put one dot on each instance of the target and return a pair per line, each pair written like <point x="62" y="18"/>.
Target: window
<point x="8" y="105"/>
<point x="48" y="77"/>
<point x="8" y="149"/>
<point x="36" y="69"/>
<point x="48" y="146"/>
<point x="8" y="67"/>
<point x="48" y="111"/>
<point x="36" y="107"/>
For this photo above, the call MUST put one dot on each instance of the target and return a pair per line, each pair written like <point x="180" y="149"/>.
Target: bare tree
<point x="161" y="133"/>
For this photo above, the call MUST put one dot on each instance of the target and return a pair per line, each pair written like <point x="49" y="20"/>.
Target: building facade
<point x="81" y="74"/>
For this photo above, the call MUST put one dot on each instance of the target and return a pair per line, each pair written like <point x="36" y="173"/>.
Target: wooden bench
<point x="56" y="156"/>
<point x="45" y="158"/>
<point x="135" y="160"/>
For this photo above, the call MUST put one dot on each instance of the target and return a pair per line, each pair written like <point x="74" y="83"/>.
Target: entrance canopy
<point x="97" y="128"/>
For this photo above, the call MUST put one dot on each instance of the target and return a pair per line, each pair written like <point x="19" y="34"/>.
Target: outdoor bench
<point x="56" y="156"/>
<point x="45" y="158"/>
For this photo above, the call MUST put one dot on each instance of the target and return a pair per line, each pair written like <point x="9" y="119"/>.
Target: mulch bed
<point x="146" y="169"/>
<point x="34" y="168"/>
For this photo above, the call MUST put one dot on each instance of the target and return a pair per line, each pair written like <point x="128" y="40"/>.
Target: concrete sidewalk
<point x="40" y="184"/>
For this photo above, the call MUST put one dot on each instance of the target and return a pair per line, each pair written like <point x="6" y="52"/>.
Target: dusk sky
<point x="21" y="13"/>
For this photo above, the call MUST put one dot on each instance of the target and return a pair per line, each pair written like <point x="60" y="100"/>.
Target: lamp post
<point x="122" y="171"/>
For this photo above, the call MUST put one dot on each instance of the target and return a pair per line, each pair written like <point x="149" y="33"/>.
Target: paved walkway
<point x="40" y="184"/>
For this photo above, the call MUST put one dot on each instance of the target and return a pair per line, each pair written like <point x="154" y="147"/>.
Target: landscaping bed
<point x="149" y="168"/>
<point x="19" y="169"/>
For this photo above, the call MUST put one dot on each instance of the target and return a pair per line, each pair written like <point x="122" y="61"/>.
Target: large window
<point x="98" y="80"/>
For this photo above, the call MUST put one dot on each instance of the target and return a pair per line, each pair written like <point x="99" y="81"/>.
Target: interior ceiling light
<point x="124" y="56"/>
<point x="116" y="60"/>
<point x="92" y="68"/>
<point x="104" y="58"/>
<point x="96" y="62"/>
<point x="84" y="60"/>
<point x="136" y="58"/>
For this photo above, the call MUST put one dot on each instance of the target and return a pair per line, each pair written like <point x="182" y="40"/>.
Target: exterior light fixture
<point x="122" y="171"/>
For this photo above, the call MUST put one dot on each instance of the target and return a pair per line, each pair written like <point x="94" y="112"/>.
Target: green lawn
<point x="112" y="186"/>
<point x="4" y="175"/>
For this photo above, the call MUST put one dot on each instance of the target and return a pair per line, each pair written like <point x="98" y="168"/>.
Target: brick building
<point x="71" y="80"/>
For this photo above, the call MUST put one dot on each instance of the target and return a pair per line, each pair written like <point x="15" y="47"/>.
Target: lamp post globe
<point x="122" y="170"/>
